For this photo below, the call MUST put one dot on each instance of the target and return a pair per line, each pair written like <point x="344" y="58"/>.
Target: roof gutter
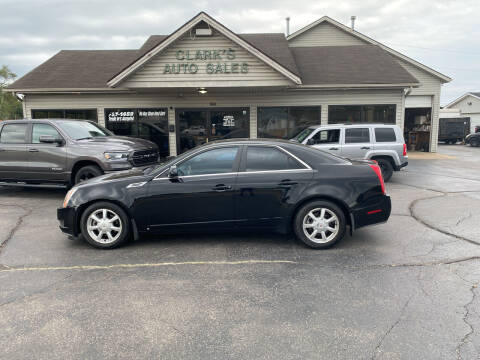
<point x="354" y="86"/>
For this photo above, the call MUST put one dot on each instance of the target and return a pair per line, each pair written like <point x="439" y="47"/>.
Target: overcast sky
<point x="442" y="34"/>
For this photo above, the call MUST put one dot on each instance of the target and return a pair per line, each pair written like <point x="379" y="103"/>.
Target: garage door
<point x="418" y="101"/>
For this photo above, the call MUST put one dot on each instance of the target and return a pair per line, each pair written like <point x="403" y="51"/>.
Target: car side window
<point x="265" y="158"/>
<point x="385" y="135"/>
<point x="331" y="136"/>
<point x="215" y="161"/>
<point x="13" y="134"/>
<point x="357" y="135"/>
<point x="43" y="130"/>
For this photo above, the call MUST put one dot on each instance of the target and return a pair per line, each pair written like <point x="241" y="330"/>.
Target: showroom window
<point x="347" y="114"/>
<point x="285" y="122"/>
<point x="148" y="124"/>
<point x="78" y="114"/>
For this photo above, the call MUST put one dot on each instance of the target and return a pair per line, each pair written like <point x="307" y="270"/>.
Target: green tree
<point x="10" y="106"/>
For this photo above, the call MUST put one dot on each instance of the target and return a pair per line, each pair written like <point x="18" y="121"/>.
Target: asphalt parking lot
<point x="406" y="289"/>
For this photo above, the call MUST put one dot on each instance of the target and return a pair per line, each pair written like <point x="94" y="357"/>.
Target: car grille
<point x="145" y="157"/>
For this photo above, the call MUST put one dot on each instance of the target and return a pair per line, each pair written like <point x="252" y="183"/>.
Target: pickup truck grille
<point x="145" y="157"/>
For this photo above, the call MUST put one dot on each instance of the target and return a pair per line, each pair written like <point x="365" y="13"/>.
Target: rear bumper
<point x="67" y="218"/>
<point x="398" y="167"/>
<point x="375" y="212"/>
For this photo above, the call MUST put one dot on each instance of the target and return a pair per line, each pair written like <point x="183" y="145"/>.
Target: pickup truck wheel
<point x="319" y="224"/>
<point x="105" y="225"/>
<point x="387" y="169"/>
<point x="86" y="173"/>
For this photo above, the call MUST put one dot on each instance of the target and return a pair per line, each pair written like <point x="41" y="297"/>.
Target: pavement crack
<point x="389" y="330"/>
<point x="463" y="219"/>
<point x="466" y="307"/>
<point x="19" y="223"/>
<point x="418" y="219"/>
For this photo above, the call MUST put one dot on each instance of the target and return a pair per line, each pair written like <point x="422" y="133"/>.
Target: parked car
<point x="382" y="143"/>
<point x="66" y="152"/>
<point x="473" y="139"/>
<point x="227" y="185"/>
<point x="453" y="130"/>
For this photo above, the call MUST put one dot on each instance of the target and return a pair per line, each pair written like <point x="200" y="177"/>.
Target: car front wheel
<point x="105" y="225"/>
<point x="474" y="143"/>
<point x="320" y="224"/>
<point x="87" y="172"/>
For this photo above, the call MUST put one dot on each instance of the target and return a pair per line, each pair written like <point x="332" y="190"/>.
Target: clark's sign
<point x="220" y="61"/>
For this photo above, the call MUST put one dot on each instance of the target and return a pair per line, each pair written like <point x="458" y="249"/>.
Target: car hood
<point x="110" y="143"/>
<point x="132" y="174"/>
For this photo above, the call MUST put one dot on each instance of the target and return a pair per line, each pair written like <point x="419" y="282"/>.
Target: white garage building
<point x="204" y="82"/>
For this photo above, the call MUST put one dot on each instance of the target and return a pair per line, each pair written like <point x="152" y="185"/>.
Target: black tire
<point x="86" y="173"/>
<point x="301" y="215"/>
<point x="387" y="169"/>
<point x="474" y="143"/>
<point x="123" y="222"/>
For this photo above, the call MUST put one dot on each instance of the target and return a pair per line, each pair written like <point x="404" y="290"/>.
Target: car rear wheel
<point x="105" y="225"/>
<point x="320" y="224"/>
<point x="387" y="169"/>
<point x="87" y="172"/>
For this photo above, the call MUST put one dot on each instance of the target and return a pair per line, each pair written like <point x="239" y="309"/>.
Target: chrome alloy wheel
<point x="321" y="225"/>
<point x="104" y="226"/>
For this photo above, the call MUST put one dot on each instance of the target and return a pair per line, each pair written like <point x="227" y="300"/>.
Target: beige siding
<point x="152" y="73"/>
<point x="220" y="99"/>
<point x="464" y="106"/>
<point x="325" y="34"/>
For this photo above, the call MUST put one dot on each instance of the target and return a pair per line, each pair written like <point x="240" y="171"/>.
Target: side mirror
<point x="173" y="172"/>
<point x="311" y="141"/>
<point x="49" y="139"/>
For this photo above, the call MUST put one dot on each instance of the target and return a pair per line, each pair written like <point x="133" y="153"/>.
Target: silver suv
<point x="383" y="143"/>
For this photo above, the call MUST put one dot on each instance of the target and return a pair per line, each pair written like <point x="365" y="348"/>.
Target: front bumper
<point x="376" y="211"/>
<point x="68" y="220"/>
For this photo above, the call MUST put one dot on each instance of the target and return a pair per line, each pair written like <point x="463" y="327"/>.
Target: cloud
<point x="442" y="34"/>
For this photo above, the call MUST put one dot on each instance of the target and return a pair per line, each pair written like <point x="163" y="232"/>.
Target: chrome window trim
<point x="158" y="177"/>
<point x="306" y="166"/>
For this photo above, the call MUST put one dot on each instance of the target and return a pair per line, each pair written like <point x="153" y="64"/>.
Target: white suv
<point x="383" y="143"/>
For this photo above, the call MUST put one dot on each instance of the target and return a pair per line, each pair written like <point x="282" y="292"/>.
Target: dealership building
<point x="204" y="82"/>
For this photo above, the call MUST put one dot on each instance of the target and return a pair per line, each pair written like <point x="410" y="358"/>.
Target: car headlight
<point x="116" y="156"/>
<point x="69" y="196"/>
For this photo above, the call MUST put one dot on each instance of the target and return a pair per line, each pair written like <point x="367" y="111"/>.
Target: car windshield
<point x="302" y="135"/>
<point x="79" y="130"/>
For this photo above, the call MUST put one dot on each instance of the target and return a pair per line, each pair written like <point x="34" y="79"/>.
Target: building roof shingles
<point x="354" y="64"/>
<point x="321" y="65"/>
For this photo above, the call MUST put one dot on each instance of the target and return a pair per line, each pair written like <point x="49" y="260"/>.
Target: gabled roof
<point x="76" y="69"/>
<point x="203" y="17"/>
<point x="326" y="19"/>
<point x="353" y="64"/>
<point x="473" y="94"/>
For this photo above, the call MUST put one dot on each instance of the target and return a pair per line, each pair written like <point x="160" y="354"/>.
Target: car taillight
<point x="404" y="149"/>
<point x="377" y="170"/>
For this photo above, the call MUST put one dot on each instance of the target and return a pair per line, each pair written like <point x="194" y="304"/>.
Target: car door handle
<point x="334" y="148"/>
<point x="365" y="148"/>
<point x="32" y="150"/>
<point x="221" y="187"/>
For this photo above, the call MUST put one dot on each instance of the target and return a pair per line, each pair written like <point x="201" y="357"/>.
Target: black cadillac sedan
<point x="233" y="184"/>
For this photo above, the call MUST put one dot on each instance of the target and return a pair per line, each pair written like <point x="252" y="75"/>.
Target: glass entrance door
<point x="199" y="126"/>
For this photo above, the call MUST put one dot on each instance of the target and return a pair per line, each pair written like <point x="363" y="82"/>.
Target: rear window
<point x="357" y="135"/>
<point x="262" y="158"/>
<point x="385" y="135"/>
<point x="13" y="134"/>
